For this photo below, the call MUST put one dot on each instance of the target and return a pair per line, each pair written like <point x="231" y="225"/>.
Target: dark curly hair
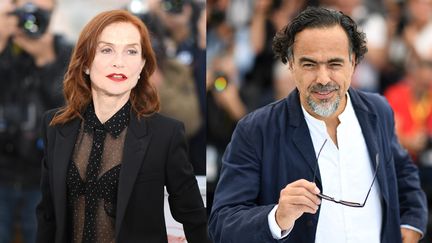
<point x="315" y="17"/>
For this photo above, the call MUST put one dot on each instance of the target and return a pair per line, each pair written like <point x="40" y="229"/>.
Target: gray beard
<point x="325" y="108"/>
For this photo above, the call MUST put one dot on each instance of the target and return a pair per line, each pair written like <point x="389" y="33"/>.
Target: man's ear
<point x="353" y="59"/>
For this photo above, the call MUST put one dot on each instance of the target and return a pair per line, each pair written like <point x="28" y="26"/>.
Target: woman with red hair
<point x="108" y="153"/>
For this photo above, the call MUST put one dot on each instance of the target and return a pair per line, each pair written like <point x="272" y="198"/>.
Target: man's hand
<point x="8" y="22"/>
<point x="295" y="199"/>
<point x="410" y="236"/>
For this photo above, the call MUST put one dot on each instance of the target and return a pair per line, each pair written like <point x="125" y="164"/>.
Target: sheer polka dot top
<point x="93" y="176"/>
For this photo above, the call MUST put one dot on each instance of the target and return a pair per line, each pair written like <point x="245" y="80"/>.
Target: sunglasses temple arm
<point x="319" y="153"/>
<point x="374" y="178"/>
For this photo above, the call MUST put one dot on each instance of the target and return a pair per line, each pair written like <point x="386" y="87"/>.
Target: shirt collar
<point x="114" y="125"/>
<point x="348" y="113"/>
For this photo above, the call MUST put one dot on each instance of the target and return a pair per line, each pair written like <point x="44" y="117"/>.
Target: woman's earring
<point x="87" y="71"/>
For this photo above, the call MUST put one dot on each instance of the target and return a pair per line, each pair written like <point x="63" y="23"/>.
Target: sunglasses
<point x="343" y="202"/>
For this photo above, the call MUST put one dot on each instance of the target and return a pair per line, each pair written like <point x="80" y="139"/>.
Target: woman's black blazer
<point x="155" y="155"/>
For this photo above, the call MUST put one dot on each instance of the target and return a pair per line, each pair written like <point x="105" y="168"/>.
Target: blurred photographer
<point x="32" y="65"/>
<point x="411" y="100"/>
<point x="178" y="30"/>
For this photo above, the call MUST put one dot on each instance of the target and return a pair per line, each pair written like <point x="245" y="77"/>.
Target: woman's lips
<point x="117" y="77"/>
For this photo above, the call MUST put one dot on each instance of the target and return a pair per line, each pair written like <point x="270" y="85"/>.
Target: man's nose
<point x="323" y="75"/>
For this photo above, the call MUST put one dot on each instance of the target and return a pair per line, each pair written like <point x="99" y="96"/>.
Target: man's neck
<point x="332" y="122"/>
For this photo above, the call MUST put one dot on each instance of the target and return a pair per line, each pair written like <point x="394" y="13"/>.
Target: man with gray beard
<point x="324" y="164"/>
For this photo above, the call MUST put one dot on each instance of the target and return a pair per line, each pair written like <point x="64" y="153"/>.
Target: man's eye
<point x="335" y="65"/>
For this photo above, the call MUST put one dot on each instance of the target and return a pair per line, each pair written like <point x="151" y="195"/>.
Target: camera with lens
<point x="32" y="20"/>
<point x="173" y="6"/>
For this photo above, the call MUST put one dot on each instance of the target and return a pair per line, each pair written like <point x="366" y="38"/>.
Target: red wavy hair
<point x="76" y="85"/>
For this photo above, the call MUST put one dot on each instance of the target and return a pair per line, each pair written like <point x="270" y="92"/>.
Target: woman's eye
<point x="106" y="50"/>
<point x="132" y="52"/>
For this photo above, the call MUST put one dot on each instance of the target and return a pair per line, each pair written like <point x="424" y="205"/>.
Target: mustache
<point x="324" y="88"/>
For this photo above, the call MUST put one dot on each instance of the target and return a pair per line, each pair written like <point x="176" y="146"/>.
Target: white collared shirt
<point x="346" y="173"/>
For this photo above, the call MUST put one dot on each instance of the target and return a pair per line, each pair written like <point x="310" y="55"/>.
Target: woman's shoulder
<point x="49" y="115"/>
<point x="157" y="120"/>
<point x="47" y="130"/>
<point x="161" y="127"/>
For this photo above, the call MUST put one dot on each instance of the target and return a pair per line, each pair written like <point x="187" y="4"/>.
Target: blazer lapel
<point x="136" y="143"/>
<point x="64" y="144"/>
<point x="302" y="140"/>
<point x="369" y="125"/>
<point x="301" y="136"/>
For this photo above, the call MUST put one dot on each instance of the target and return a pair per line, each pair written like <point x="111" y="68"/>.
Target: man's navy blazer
<point x="272" y="147"/>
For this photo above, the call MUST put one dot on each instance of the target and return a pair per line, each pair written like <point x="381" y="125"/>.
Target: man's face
<point x="322" y="69"/>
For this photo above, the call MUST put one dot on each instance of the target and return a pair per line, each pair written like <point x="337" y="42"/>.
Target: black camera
<point x="173" y="6"/>
<point x="32" y="20"/>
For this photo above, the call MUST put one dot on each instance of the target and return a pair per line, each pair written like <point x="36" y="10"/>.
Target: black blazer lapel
<point x="64" y="144"/>
<point x="301" y="136"/>
<point x="136" y="143"/>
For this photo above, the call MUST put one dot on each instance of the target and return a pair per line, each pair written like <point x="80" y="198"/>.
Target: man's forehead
<point x="324" y="33"/>
<point x="321" y="60"/>
<point x="328" y="42"/>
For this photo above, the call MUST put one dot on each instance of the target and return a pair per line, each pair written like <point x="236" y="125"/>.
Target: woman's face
<point x="118" y="61"/>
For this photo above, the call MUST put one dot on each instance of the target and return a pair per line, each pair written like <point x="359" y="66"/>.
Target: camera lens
<point x="30" y="23"/>
<point x="173" y="6"/>
<point x="33" y="20"/>
<point x="220" y="83"/>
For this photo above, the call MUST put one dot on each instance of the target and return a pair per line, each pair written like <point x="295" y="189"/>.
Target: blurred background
<point x="215" y="66"/>
<point x="242" y="74"/>
<point x="36" y="41"/>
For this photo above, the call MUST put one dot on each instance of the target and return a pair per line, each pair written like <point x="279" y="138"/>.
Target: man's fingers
<point x="302" y="187"/>
<point x="306" y="209"/>
<point x="297" y="200"/>
<point x="301" y="191"/>
<point x="306" y="184"/>
<point x="303" y="201"/>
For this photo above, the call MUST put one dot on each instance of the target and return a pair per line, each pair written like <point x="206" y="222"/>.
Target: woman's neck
<point x="106" y="106"/>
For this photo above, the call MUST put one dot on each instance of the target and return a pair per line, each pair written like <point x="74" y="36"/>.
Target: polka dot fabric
<point x="93" y="174"/>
